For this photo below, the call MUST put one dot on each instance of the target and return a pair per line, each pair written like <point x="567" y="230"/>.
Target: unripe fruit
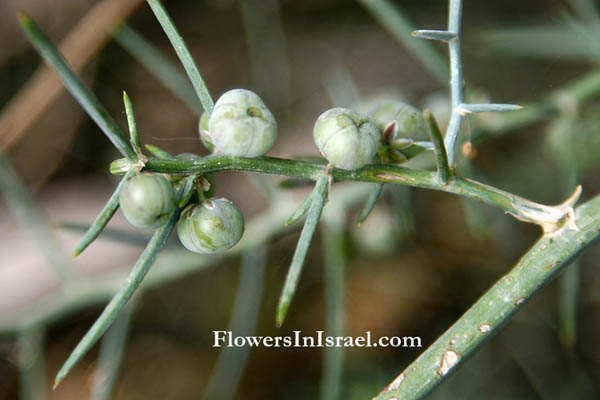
<point x="241" y="125"/>
<point x="147" y="201"/>
<point x="409" y="120"/>
<point x="347" y="140"/>
<point x="212" y="226"/>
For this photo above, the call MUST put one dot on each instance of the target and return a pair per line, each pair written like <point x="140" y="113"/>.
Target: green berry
<point x="347" y="140"/>
<point x="147" y="201"/>
<point x="241" y="125"/>
<point x="212" y="226"/>
<point x="409" y="120"/>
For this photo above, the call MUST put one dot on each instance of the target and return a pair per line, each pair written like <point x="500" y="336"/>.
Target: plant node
<point x="552" y="219"/>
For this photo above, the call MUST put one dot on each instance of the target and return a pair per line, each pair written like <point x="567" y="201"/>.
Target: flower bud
<point x="409" y="120"/>
<point x="346" y="139"/>
<point x="241" y="125"/>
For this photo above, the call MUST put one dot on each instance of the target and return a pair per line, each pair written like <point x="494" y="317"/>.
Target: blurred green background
<point x="413" y="268"/>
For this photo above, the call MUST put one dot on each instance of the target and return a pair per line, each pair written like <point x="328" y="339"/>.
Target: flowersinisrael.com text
<point x="320" y="339"/>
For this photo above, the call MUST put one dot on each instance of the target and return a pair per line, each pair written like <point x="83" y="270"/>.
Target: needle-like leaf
<point x="104" y="321"/>
<point x="134" y="136"/>
<point x="102" y="219"/>
<point x="441" y="158"/>
<point x="370" y="203"/>
<point x="308" y="231"/>
<point x="492" y="107"/>
<point x="188" y="187"/>
<point x="184" y="55"/>
<point x="111" y="354"/>
<point x="444" y="36"/>
<point x="76" y="87"/>
<point x="301" y="210"/>
<point x="334" y="252"/>
<point x="160" y="153"/>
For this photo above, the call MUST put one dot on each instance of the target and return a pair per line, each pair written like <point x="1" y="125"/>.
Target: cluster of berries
<point x="241" y="125"/>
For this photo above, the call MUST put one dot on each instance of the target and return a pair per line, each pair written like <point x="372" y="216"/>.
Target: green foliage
<point x="240" y="129"/>
<point x="184" y="55"/>
<point x="82" y="94"/>
<point x="104" y="217"/>
<point x="308" y="231"/>
<point x="110" y="313"/>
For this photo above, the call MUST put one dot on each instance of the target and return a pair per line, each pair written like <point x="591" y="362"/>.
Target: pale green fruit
<point x="241" y="125"/>
<point x="147" y="201"/>
<point x="347" y="139"/>
<point x="203" y="132"/>
<point x="212" y="226"/>
<point x="409" y="120"/>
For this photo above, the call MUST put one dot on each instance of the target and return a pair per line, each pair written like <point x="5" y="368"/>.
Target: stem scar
<point x="395" y="383"/>
<point x="449" y="360"/>
<point x="392" y="177"/>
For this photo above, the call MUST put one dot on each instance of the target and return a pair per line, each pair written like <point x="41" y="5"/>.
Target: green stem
<point x="335" y="265"/>
<point x="546" y="258"/>
<point x="184" y="55"/>
<point x="78" y="89"/>
<point x="172" y="264"/>
<point x="546" y="216"/>
<point x="308" y="231"/>
<point x="104" y="321"/>
<point x="111" y="354"/>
